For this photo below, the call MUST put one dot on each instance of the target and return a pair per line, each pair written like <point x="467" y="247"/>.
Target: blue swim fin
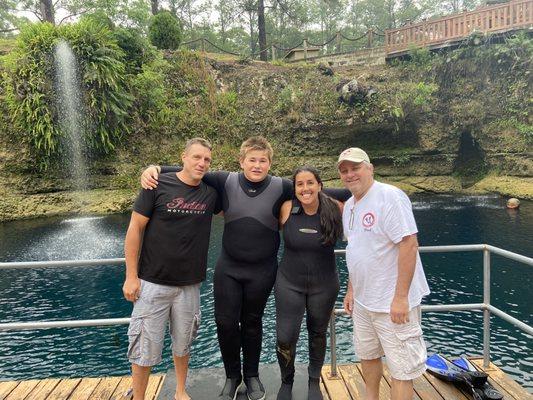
<point x="444" y="369"/>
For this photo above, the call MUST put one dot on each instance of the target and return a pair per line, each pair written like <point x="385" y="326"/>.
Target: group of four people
<point x="166" y="257"/>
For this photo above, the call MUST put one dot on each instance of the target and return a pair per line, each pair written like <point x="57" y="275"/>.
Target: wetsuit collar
<point x="253" y="188"/>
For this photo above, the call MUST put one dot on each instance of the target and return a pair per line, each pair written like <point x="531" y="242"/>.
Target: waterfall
<point x="71" y="113"/>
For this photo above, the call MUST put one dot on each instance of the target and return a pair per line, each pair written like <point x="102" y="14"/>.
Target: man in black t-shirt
<point x="166" y="259"/>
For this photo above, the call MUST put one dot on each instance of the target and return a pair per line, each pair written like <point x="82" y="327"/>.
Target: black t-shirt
<point x="176" y="239"/>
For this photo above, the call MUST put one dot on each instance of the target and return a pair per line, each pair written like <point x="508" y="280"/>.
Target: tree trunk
<point x="47" y="11"/>
<point x="155" y="6"/>
<point x="262" y="30"/>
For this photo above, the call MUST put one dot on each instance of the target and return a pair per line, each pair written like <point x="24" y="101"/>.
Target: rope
<point x="192" y="41"/>
<point x="257" y="53"/>
<point x="278" y="47"/>
<point x="323" y="44"/>
<point x="221" y="49"/>
<point x="354" y="39"/>
<point x="290" y="48"/>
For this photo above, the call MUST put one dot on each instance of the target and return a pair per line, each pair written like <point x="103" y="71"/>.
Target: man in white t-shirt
<point x="386" y="280"/>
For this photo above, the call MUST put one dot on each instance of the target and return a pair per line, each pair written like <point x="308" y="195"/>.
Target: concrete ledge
<point x="206" y="383"/>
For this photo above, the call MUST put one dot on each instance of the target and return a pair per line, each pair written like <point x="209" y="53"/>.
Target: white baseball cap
<point x="353" y="154"/>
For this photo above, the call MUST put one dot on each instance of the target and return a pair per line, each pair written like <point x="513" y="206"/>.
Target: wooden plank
<point x="323" y="390"/>
<point x="64" y="388"/>
<point x="22" y="390"/>
<point x="43" y="389"/>
<point x="387" y="376"/>
<point x="384" y="388"/>
<point x="122" y="388"/>
<point x="425" y="390"/>
<point x="105" y="388"/>
<point x="154" y="384"/>
<point x="156" y="394"/>
<point x="353" y="379"/>
<point x="6" y="388"/>
<point x="447" y="390"/>
<point x="85" y="389"/>
<point x="503" y="380"/>
<point x="505" y="17"/>
<point x="336" y="387"/>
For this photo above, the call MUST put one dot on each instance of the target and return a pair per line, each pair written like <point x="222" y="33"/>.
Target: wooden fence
<point x="506" y="17"/>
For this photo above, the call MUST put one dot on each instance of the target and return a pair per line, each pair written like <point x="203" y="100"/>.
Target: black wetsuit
<point x="247" y="265"/>
<point x="307" y="281"/>
<point x="246" y="268"/>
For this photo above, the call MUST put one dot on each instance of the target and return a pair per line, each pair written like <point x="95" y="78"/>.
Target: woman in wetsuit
<point x="307" y="279"/>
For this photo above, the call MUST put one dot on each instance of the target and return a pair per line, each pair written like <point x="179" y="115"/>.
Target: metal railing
<point x="486" y="307"/>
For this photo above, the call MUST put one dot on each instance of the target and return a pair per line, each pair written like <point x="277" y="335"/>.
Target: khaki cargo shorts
<point x="375" y="336"/>
<point x="159" y="306"/>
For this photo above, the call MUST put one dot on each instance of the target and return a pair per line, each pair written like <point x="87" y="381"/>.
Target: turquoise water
<point x="95" y="292"/>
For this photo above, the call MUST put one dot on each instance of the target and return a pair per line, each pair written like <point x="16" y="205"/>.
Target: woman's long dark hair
<point x="328" y="209"/>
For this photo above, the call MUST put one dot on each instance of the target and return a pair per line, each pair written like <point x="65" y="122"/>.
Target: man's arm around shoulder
<point x="132" y="249"/>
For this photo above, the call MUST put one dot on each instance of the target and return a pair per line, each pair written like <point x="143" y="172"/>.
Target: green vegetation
<point x="29" y="88"/>
<point x="137" y="50"/>
<point x="165" y="31"/>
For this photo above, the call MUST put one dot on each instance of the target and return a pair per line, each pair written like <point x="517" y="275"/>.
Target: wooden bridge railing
<point x="498" y="18"/>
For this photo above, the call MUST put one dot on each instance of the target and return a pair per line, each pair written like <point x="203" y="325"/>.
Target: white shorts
<point x="375" y="336"/>
<point x="159" y="306"/>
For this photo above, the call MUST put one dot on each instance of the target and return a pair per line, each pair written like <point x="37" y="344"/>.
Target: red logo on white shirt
<point x="368" y="220"/>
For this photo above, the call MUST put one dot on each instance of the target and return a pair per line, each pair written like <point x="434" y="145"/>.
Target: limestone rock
<point x="353" y="92"/>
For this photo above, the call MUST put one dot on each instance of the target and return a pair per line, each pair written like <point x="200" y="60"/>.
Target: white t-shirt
<point x="374" y="226"/>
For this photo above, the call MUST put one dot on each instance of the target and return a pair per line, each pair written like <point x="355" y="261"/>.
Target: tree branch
<point x="71" y="15"/>
<point x="294" y="19"/>
<point x="37" y="14"/>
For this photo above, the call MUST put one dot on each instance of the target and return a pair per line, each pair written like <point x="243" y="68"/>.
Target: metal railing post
<point x="333" y="345"/>
<point x="486" y="311"/>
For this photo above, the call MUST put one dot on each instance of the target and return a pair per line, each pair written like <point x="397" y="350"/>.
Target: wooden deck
<point x="452" y="29"/>
<point x="111" y="388"/>
<point x="348" y="385"/>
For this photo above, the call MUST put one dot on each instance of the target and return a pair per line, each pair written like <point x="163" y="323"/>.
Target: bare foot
<point x="182" y="396"/>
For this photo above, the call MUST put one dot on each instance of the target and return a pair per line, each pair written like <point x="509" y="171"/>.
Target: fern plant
<point x="30" y="94"/>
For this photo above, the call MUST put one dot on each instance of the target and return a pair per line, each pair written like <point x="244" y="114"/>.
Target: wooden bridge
<point x="449" y="30"/>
